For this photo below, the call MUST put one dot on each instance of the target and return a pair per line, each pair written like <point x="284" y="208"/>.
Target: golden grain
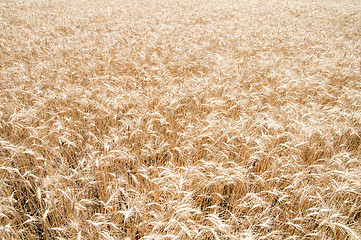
<point x="180" y="119"/>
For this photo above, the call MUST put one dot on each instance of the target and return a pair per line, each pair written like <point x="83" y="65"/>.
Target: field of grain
<point x="180" y="119"/>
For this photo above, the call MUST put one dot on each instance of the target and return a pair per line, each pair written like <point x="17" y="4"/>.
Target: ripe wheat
<point x="180" y="119"/>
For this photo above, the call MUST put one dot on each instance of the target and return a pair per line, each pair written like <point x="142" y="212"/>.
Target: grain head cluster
<point x="180" y="119"/>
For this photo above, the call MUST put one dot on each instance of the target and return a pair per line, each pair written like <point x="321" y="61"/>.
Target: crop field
<point x="180" y="119"/>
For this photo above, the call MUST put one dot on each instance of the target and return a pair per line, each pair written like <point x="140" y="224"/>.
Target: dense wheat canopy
<point x="179" y="119"/>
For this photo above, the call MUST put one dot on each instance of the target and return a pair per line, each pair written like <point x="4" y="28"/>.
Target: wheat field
<point x="179" y="119"/>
